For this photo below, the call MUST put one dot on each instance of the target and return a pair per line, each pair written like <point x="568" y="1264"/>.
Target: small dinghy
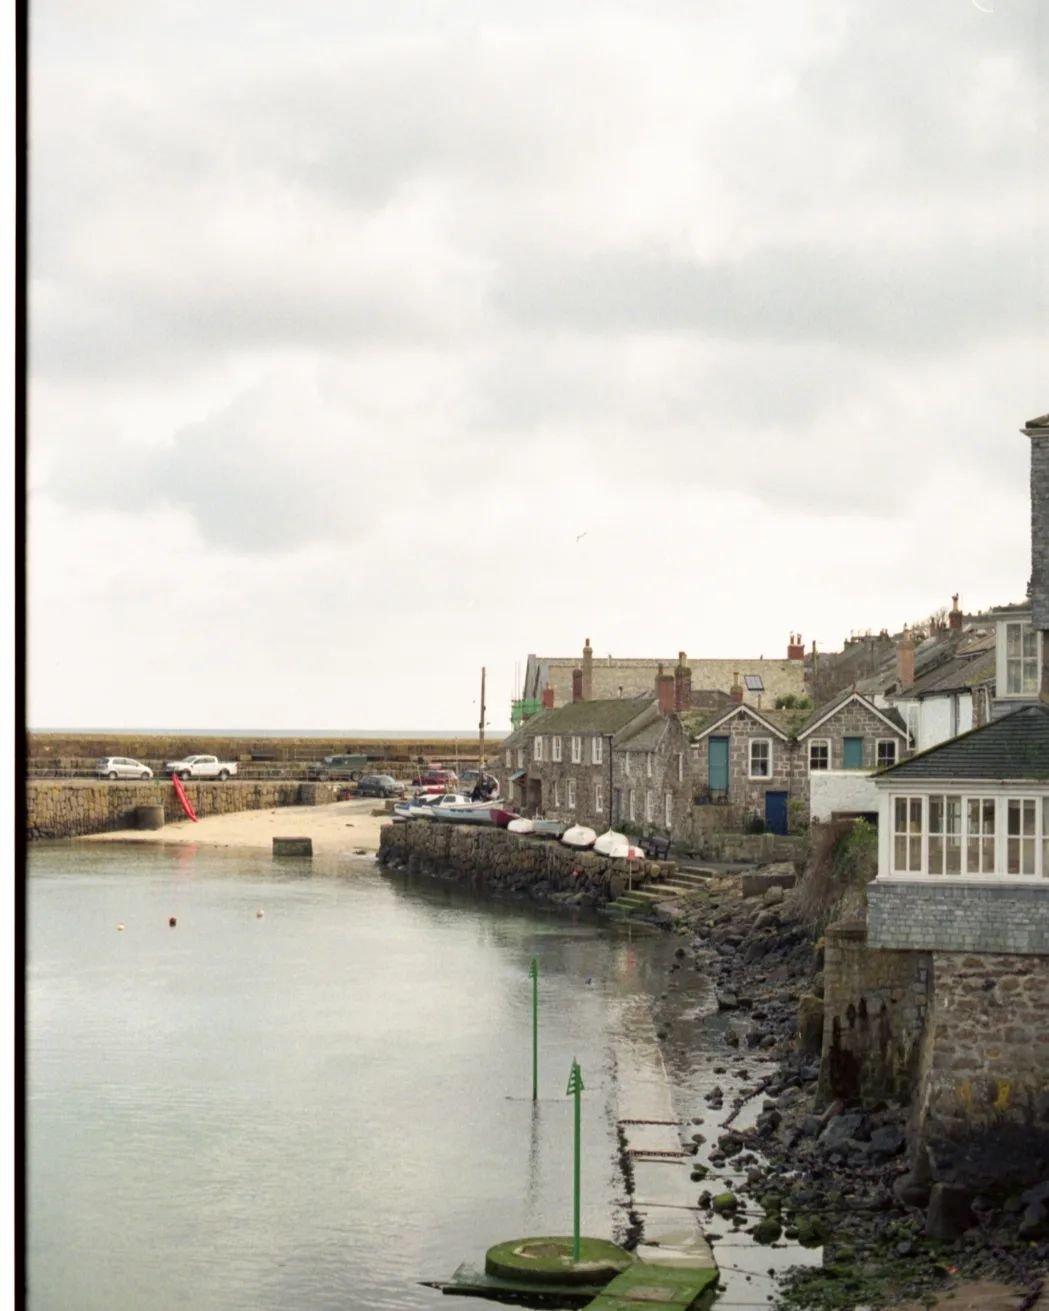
<point x="548" y="828"/>
<point x="519" y="826"/>
<point x="609" y="842"/>
<point x="579" y="836"/>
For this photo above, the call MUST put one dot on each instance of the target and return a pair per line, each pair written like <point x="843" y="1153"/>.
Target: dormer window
<point x="1019" y="659"/>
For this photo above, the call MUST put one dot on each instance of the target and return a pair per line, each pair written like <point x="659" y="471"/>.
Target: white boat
<point x="520" y="826"/>
<point x="548" y="828"/>
<point x="579" y="836"/>
<point x="425" y="806"/>
<point x="476" y="812"/>
<point x="609" y="842"/>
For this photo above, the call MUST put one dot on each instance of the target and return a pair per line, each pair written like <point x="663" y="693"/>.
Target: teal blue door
<point x="717" y="763"/>
<point x="852" y="754"/>
<point x="776" y="812"/>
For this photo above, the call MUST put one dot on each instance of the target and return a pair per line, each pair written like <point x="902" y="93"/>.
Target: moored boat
<point x="476" y="812"/>
<point x="579" y="836"/>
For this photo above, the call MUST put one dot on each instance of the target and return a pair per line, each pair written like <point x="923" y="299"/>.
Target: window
<point x="760" y="757"/>
<point x="753" y="683"/>
<point x="599" y="798"/>
<point x="631" y="807"/>
<point x="1021" y="659"/>
<point x="520" y="758"/>
<point x="819" y="754"/>
<point x="577" y="750"/>
<point x="907" y="835"/>
<point x="886" y="752"/>
<point x="555" y="749"/>
<point x="595" y="750"/>
<point x="570" y="790"/>
<point x="945" y="835"/>
<point x="948" y="835"/>
<point x="648" y="805"/>
<point x="1020" y="840"/>
<point x="537" y="747"/>
<point x="557" y="795"/>
<point x="648" y="764"/>
<point x="681" y="767"/>
<point x="509" y="758"/>
<point x="668" y="810"/>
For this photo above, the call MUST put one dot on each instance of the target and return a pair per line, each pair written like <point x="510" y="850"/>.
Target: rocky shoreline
<point x="835" y="1177"/>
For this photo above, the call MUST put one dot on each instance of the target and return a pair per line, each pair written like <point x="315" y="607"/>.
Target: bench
<point x="655" y="848"/>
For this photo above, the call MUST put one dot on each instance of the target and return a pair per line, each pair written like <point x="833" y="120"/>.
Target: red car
<point x="445" y="779"/>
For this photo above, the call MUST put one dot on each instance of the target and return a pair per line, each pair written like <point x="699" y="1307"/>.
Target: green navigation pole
<point x="533" y="971"/>
<point x="575" y="1087"/>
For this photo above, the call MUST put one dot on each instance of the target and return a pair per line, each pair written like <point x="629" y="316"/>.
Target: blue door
<point x="776" y="812"/>
<point x="852" y="752"/>
<point x="717" y="763"/>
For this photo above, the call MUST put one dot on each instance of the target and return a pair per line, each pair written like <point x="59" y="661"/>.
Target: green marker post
<point x="533" y="971"/>
<point x="575" y="1088"/>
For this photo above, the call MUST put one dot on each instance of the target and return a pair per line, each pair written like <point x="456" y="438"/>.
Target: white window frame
<point x="557" y="794"/>
<point x="886" y="741"/>
<point x="668" y="810"/>
<point x="648" y="805"/>
<point x="555" y="749"/>
<point x="570" y="794"/>
<point x="520" y="757"/>
<point x="599" y="798"/>
<point x="1004" y="659"/>
<point x="509" y="757"/>
<point x="596" y="750"/>
<point x="648" y="764"/>
<point x="537" y="747"/>
<point x="631" y="805"/>
<point x="820" y="742"/>
<point x="751" y="744"/>
<point x="975" y="839"/>
<point x="577" y="750"/>
<point x="681" y="767"/>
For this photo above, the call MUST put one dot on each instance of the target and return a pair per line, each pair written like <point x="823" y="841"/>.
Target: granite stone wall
<point x="493" y="861"/>
<point x="982" y="1111"/>
<point x="75" y="809"/>
<point x="1040" y="529"/>
<point x="959" y="917"/>
<point x="875" y="1005"/>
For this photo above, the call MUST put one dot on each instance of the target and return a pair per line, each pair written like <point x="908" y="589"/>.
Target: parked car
<point x="379" y="785"/>
<point x="345" y="767"/>
<point x="122" y="767"/>
<point x="201" y="767"/>
<point x="445" y="778"/>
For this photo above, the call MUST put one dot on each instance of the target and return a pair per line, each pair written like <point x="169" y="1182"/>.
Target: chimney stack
<point x="548" y="697"/>
<point x="665" y="692"/>
<point x="905" y="661"/>
<point x="577" y="685"/>
<point x="588" y="672"/>
<point x="795" y="647"/>
<point x="1037" y="430"/>
<point x="682" y="683"/>
<point x="954" y="615"/>
<point x="736" y="690"/>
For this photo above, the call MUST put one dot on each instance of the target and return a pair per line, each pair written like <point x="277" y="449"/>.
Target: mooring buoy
<point x="171" y="921"/>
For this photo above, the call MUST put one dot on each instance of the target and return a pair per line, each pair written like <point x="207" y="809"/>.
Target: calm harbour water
<point x="311" y="1109"/>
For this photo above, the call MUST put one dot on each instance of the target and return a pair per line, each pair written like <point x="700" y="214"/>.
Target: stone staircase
<point x="678" y="882"/>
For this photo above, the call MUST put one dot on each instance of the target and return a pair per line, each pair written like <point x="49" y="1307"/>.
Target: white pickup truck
<point x="202" y="767"/>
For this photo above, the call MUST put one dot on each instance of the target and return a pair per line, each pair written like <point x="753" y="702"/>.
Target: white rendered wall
<point x="833" y="790"/>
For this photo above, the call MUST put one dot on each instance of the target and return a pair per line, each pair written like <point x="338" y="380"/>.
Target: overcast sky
<point x="374" y="342"/>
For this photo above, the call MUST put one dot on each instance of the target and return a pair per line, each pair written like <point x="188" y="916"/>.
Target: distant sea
<point x="362" y="734"/>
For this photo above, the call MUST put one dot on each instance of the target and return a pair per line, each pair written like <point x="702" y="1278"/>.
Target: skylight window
<point x="753" y="683"/>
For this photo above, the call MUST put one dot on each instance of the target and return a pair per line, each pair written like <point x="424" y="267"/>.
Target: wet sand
<point x="341" y="828"/>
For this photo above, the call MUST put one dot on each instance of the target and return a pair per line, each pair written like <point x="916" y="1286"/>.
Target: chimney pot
<point x="905" y="661"/>
<point x="548" y="697"/>
<point x="682" y="684"/>
<point x="588" y="672"/>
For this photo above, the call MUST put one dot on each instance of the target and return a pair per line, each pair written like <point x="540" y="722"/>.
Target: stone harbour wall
<point x="75" y="809"/>
<point x="875" y="1007"/>
<point x="982" y="1112"/>
<point x="491" y="860"/>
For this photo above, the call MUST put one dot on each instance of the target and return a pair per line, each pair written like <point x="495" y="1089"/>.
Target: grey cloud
<point x="886" y="299"/>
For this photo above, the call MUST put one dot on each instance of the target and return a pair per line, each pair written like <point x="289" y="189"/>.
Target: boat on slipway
<point x="475" y="812"/>
<point x="579" y="836"/>
<point x="616" y="845"/>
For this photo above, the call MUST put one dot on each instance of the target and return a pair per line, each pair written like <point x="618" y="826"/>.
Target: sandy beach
<point x="342" y="828"/>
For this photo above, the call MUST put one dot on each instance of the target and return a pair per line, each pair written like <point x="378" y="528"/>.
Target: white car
<point x="122" y="767"/>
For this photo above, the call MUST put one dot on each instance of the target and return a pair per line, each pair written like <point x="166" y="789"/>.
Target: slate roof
<point x="593" y="717"/>
<point x="959" y="674"/>
<point x="646" y="738"/>
<point x="822" y="713"/>
<point x="1015" y="747"/>
<point x="697" y="724"/>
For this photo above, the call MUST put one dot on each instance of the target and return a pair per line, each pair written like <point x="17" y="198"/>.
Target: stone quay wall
<point x="75" y="809"/>
<point x="874" y="1011"/>
<point x="982" y="1111"/>
<point x="491" y="860"/>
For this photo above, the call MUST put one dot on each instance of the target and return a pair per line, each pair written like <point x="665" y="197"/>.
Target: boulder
<point x="773" y="896"/>
<point x="1035" y="1221"/>
<point x="725" y="1203"/>
<point x="949" y="1214"/>
<point x="840" y="1130"/>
